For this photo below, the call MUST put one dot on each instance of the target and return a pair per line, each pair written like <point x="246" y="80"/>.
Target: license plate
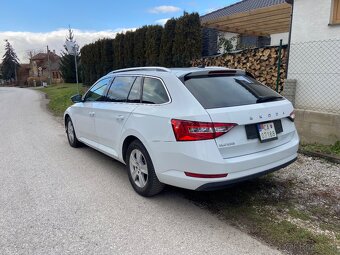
<point x="267" y="131"/>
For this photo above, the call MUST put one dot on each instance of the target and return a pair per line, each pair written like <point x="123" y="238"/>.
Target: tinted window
<point x="97" y="92"/>
<point x="154" y="92"/>
<point x="226" y="91"/>
<point x="120" y="88"/>
<point x="135" y="92"/>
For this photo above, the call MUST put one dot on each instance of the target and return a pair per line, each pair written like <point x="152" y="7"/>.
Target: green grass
<point x="302" y="215"/>
<point x="320" y="148"/>
<point x="60" y="95"/>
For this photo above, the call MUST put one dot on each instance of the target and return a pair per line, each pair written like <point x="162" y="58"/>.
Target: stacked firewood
<point x="260" y="62"/>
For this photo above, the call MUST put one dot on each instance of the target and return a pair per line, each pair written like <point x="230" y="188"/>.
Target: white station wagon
<point x="194" y="128"/>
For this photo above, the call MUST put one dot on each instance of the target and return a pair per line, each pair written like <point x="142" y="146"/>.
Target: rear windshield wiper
<point x="268" y="99"/>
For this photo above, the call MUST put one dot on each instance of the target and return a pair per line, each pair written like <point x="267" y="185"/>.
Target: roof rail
<point x="144" y="68"/>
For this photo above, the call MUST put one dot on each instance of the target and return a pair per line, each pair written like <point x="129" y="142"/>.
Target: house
<point x="256" y="22"/>
<point x="314" y="69"/>
<point x="44" y="66"/>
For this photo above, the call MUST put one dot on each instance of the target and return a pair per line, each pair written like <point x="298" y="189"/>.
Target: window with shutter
<point x="336" y="12"/>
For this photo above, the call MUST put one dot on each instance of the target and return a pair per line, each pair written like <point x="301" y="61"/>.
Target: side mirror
<point x="76" y="98"/>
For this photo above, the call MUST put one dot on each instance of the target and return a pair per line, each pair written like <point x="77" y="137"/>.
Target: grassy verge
<point x="333" y="150"/>
<point x="266" y="208"/>
<point x="59" y="96"/>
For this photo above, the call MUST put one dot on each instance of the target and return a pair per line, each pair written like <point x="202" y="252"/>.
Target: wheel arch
<point x="66" y="117"/>
<point x="127" y="141"/>
<point x="127" y="138"/>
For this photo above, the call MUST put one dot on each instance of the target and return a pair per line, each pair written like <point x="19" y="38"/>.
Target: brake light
<point x="292" y="116"/>
<point x="185" y="130"/>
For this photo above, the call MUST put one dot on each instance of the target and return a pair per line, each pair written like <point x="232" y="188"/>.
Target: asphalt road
<point x="58" y="200"/>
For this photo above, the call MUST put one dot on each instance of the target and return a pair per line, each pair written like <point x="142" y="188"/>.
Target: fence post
<point x="279" y="68"/>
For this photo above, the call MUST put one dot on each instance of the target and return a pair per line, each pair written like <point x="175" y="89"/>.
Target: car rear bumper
<point x="172" y="160"/>
<point x="223" y="184"/>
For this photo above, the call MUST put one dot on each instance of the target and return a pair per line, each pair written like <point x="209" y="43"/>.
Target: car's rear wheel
<point x="141" y="171"/>
<point x="71" y="134"/>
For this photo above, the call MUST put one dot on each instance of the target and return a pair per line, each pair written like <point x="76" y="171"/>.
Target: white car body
<point x="108" y="126"/>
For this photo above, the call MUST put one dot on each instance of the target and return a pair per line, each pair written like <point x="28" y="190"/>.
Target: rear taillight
<point x="185" y="130"/>
<point x="292" y="116"/>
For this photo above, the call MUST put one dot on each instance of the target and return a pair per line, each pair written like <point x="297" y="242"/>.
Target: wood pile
<point x="261" y="62"/>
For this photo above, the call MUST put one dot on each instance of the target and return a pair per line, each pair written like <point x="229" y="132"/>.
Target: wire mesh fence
<point x="316" y="67"/>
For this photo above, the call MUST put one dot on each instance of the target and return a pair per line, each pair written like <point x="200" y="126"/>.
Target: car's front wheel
<point x="71" y="134"/>
<point x="141" y="171"/>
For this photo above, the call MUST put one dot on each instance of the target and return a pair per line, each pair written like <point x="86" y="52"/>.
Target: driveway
<point x="58" y="200"/>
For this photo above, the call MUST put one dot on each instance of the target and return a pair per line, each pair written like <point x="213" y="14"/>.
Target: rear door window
<point x="135" y="92"/>
<point x="154" y="92"/>
<point x="227" y="91"/>
<point x="120" y="88"/>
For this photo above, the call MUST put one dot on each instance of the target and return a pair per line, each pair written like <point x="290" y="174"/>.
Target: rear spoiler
<point x="206" y="73"/>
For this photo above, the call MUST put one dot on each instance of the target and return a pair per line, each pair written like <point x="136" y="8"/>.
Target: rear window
<point x="228" y="91"/>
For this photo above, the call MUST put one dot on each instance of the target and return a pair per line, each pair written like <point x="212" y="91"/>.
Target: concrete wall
<point x="316" y="127"/>
<point x="313" y="126"/>
<point x="275" y="39"/>
<point x="289" y="90"/>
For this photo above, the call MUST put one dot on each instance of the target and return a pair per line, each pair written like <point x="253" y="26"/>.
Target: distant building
<point x="42" y="63"/>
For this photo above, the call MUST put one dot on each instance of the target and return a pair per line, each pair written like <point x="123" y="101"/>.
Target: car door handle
<point x="120" y="117"/>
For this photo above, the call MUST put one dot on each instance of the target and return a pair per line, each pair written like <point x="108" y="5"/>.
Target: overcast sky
<point x="31" y="25"/>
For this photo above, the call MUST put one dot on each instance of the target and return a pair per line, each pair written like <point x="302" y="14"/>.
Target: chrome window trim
<point x="145" y="76"/>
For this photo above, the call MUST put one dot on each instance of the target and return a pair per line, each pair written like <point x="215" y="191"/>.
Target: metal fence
<point x="316" y="67"/>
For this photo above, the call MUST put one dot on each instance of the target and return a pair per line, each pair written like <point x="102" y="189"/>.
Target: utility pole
<point x="76" y="64"/>
<point x="48" y="65"/>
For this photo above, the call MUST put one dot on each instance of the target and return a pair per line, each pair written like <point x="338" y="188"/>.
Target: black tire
<point x="71" y="134"/>
<point x="152" y="185"/>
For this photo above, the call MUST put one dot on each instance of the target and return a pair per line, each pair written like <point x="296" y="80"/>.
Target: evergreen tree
<point x="174" y="45"/>
<point x="153" y="38"/>
<point x="67" y="65"/>
<point x="106" y="55"/>
<point x="118" y="48"/>
<point x="187" y="42"/>
<point x="139" y="46"/>
<point x="129" y="43"/>
<point x="167" y="42"/>
<point x="10" y="63"/>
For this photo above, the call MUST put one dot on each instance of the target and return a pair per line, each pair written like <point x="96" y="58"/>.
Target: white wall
<point x="315" y="57"/>
<point x="275" y="38"/>
<point x="311" y="19"/>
